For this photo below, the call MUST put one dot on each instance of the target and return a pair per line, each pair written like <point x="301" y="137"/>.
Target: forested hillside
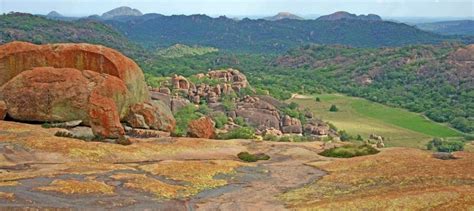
<point x="39" y="30"/>
<point x="435" y="80"/>
<point x="268" y="36"/>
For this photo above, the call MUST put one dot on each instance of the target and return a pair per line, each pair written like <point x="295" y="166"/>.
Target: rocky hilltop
<point x="95" y="85"/>
<point x="348" y="16"/>
<point x="284" y="15"/>
<point x="121" y="11"/>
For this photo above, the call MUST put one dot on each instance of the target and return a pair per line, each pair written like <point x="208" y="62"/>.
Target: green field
<point x="362" y="117"/>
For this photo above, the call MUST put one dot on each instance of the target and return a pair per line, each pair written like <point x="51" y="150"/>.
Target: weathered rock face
<point x="66" y="94"/>
<point x="180" y="82"/>
<point x="291" y="125"/>
<point x="16" y="57"/>
<point x="258" y="113"/>
<point x="66" y="82"/>
<point x="155" y="115"/>
<point x="3" y="109"/>
<point x="316" y="128"/>
<point x="202" y="128"/>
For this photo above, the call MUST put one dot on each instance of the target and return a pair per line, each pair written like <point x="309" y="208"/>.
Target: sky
<point x="233" y="8"/>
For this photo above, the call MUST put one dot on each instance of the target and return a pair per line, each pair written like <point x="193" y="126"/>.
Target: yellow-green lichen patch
<point x="199" y="175"/>
<point x="70" y="187"/>
<point x="156" y="187"/>
<point x="397" y="178"/>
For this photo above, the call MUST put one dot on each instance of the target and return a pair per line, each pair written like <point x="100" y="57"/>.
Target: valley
<point x="361" y="117"/>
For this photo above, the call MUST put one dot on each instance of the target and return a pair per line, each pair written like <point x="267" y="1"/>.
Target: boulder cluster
<point x="261" y="112"/>
<point x="95" y="85"/>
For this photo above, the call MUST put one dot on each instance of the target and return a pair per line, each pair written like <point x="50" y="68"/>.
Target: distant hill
<point x="348" y="16"/>
<point x="269" y="36"/>
<point x="54" y="14"/>
<point x="180" y="50"/>
<point x="39" y="30"/>
<point x="283" y="15"/>
<point x="121" y="11"/>
<point x="461" y="27"/>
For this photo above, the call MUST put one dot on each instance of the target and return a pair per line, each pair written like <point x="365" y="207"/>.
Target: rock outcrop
<point x="16" y="57"/>
<point x="3" y="110"/>
<point x="67" y="82"/>
<point x="202" y="128"/>
<point x="291" y="125"/>
<point x="258" y="113"/>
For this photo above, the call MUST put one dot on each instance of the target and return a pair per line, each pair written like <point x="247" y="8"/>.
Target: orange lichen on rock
<point x="396" y="178"/>
<point x="16" y="57"/>
<point x="78" y="187"/>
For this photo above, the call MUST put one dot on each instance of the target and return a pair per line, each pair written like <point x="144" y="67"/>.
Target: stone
<point x="291" y="125"/>
<point x="155" y="115"/>
<point x="165" y="90"/>
<point x="104" y="118"/>
<point x="3" y="110"/>
<point x="202" y="128"/>
<point x="180" y="82"/>
<point x="177" y="103"/>
<point x="69" y="124"/>
<point x="257" y="113"/>
<point x="272" y="131"/>
<point x="137" y="121"/>
<point x="16" y="57"/>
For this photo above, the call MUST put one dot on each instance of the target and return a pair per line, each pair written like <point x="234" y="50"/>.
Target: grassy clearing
<point x="362" y="117"/>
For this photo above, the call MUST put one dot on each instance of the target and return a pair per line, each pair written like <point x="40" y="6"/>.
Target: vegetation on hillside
<point x="180" y="50"/>
<point x="421" y="79"/>
<point x="268" y="36"/>
<point x="41" y="30"/>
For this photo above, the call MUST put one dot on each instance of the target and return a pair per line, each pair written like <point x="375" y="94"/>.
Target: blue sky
<point x="386" y="8"/>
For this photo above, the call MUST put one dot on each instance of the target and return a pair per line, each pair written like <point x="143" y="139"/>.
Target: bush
<point x="349" y="151"/>
<point x="239" y="133"/>
<point x="440" y="145"/>
<point x="183" y="117"/>
<point x="269" y="137"/>
<point x="220" y="120"/>
<point x="247" y="157"/>
<point x="240" y="121"/>
<point x="344" y="135"/>
<point x="333" y="108"/>
<point x="359" y="138"/>
<point x="318" y="99"/>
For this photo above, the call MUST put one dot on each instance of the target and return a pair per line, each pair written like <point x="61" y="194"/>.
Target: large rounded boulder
<point x="16" y="57"/>
<point x="66" y="82"/>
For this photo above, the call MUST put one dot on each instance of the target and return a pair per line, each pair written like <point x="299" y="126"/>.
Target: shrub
<point x="440" y="145"/>
<point x="239" y="133"/>
<point x="270" y="137"/>
<point x="318" y="99"/>
<point x="220" y="120"/>
<point x="247" y="157"/>
<point x="344" y="135"/>
<point x="359" y="138"/>
<point x="349" y="151"/>
<point x="333" y="108"/>
<point x="183" y="117"/>
<point x="240" y="121"/>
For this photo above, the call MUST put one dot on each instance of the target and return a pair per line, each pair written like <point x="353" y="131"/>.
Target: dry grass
<point x="7" y="196"/>
<point x="78" y="187"/>
<point x="397" y="178"/>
